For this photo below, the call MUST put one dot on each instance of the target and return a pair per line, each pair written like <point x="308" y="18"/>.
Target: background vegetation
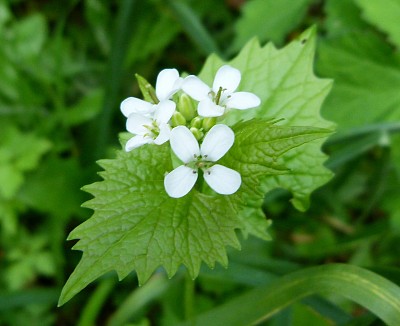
<point x="64" y="69"/>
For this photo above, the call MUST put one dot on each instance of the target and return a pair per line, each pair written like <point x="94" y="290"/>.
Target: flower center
<point x="199" y="162"/>
<point x="153" y="129"/>
<point x="218" y="98"/>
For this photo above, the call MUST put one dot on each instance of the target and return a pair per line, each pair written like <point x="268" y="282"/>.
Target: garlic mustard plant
<point x="216" y="144"/>
<point x="194" y="171"/>
<point x="213" y="102"/>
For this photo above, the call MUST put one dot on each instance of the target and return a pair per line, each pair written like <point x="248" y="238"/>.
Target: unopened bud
<point x="197" y="133"/>
<point x="149" y="94"/>
<point x="208" y="123"/>
<point x="178" y="119"/>
<point x="196" y="122"/>
<point x="186" y="107"/>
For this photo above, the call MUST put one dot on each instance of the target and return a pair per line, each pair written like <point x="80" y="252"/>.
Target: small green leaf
<point x="10" y="180"/>
<point x="19" y="152"/>
<point x="30" y="35"/>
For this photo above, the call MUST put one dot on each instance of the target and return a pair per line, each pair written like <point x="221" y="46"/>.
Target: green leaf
<point x="355" y="60"/>
<point x="19" y="152"/>
<point x="289" y="90"/>
<point x="38" y="191"/>
<point x="258" y="153"/>
<point x="342" y="16"/>
<point x="137" y="226"/>
<point x="5" y="13"/>
<point x="368" y="289"/>
<point x="385" y="14"/>
<point x="86" y="109"/>
<point x="154" y="30"/>
<point x="269" y="20"/>
<point x="30" y="35"/>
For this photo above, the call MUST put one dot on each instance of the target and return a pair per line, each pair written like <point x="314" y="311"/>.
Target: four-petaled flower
<point x="167" y="84"/>
<point x="216" y="143"/>
<point x="150" y="129"/>
<point x="214" y="101"/>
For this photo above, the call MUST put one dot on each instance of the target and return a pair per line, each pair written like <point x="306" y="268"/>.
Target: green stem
<point x="96" y="301"/>
<point x="189" y="297"/>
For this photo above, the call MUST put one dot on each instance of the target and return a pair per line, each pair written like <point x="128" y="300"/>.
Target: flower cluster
<point x="194" y="133"/>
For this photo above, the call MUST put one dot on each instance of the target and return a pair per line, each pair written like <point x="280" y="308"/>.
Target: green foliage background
<point x="64" y="69"/>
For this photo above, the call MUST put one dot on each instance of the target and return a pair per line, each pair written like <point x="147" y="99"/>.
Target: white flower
<point x="167" y="84"/>
<point x="217" y="142"/>
<point x="213" y="101"/>
<point x="148" y="130"/>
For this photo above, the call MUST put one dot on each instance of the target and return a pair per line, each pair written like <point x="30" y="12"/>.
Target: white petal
<point x="184" y="144"/>
<point x="177" y="85"/>
<point x="243" y="101"/>
<point x="217" y="142"/>
<point x="228" y="78"/>
<point x="137" y="141"/>
<point x="136" y="124"/>
<point x="164" y="111"/>
<point x="166" y="84"/>
<point x="207" y="108"/>
<point x="195" y="88"/>
<point x="135" y="105"/>
<point x="180" y="181"/>
<point x="223" y="180"/>
<point x="163" y="136"/>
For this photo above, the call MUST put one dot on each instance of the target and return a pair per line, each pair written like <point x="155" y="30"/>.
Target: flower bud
<point x="197" y="133"/>
<point x="178" y="119"/>
<point x="149" y="94"/>
<point x="208" y="123"/>
<point x="186" y="107"/>
<point x="196" y="122"/>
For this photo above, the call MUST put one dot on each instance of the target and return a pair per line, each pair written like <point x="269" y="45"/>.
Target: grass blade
<point x="368" y="289"/>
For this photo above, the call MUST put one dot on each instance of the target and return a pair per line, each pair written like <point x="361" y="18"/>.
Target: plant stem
<point x="189" y="297"/>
